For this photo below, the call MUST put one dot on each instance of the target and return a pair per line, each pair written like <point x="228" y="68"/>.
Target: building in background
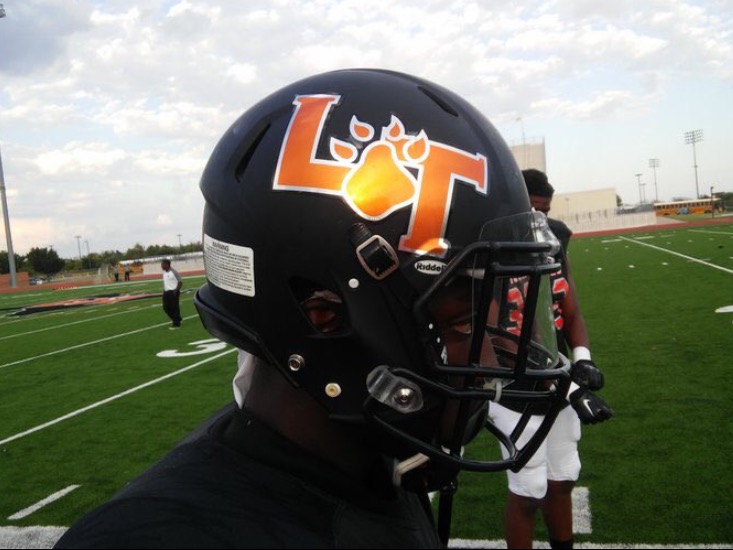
<point x="582" y="211"/>
<point x="530" y="153"/>
<point x="595" y="200"/>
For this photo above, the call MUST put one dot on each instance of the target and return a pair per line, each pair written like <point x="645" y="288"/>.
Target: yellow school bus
<point x="700" y="206"/>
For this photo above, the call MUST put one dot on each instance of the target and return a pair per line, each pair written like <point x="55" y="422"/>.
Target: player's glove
<point x="590" y="408"/>
<point x="587" y="375"/>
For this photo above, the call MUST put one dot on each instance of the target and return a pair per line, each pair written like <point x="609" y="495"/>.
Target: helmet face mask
<point x="363" y="230"/>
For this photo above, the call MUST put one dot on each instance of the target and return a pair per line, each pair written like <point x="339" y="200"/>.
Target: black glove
<point x="587" y="375"/>
<point x="590" y="408"/>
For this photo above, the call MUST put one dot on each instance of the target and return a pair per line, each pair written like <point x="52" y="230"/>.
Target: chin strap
<point x="445" y="510"/>
<point x="448" y="489"/>
<point x="406" y="466"/>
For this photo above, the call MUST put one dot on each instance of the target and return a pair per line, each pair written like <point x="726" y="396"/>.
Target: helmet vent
<point x="249" y="152"/>
<point x="439" y="100"/>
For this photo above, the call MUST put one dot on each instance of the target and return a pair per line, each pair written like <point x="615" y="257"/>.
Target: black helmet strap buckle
<point x="375" y="254"/>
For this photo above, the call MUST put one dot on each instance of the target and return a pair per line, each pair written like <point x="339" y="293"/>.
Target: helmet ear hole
<point x="322" y="307"/>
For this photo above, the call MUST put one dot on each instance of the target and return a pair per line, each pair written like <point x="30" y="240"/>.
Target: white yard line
<point x="78" y="346"/>
<point x="582" y="518"/>
<point x="713" y="232"/>
<point x="113" y="398"/>
<point x="64" y="325"/>
<point x="41" y="503"/>
<point x="678" y="254"/>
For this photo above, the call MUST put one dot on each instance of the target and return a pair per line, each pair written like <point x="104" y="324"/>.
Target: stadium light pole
<point x="180" y="245"/>
<point x="6" y="215"/>
<point x="638" y="182"/>
<point x="6" y="218"/>
<point x="712" y="202"/>
<point x="693" y="137"/>
<point x="654" y="164"/>
<point x="78" y="244"/>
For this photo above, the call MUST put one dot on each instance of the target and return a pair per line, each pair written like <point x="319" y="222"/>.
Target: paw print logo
<point x="394" y="171"/>
<point x="379" y="182"/>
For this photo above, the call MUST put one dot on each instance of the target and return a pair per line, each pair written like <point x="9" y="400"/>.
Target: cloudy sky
<point x="110" y="109"/>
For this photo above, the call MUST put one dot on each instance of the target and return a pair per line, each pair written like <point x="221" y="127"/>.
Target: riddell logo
<point x="380" y="176"/>
<point x="429" y="267"/>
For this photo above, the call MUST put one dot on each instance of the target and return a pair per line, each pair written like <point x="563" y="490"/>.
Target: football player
<point x="360" y="230"/>
<point x="547" y="481"/>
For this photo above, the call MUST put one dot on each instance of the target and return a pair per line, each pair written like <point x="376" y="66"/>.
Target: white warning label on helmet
<point x="229" y="266"/>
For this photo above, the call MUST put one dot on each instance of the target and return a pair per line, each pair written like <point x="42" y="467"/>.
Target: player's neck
<point x="294" y="414"/>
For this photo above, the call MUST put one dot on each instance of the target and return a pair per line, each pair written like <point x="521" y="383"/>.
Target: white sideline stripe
<point x="582" y="518"/>
<point x="46" y="537"/>
<point x="680" y="255"/>
<point x="108" y="338"/>
<point x="501" y="543"/>
<point x="75" y="322"/>
<point x="30" y="537"/>
<point x="41" y="503"/>
<point x="113" y="398"/>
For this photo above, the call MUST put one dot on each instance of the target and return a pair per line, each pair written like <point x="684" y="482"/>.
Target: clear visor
<point x="493" y="307"/>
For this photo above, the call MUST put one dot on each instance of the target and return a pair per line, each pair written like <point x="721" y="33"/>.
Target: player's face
<point x="541" y="204"/>
<point x="453" y="310"/>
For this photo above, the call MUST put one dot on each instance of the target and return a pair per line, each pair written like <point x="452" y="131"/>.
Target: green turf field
<point x="87" y="399"/>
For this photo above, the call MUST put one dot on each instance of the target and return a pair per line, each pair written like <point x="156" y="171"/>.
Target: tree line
<point x="46" y="261"/>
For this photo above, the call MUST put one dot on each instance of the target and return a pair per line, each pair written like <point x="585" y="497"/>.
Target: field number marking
<point x="211" y="345"/>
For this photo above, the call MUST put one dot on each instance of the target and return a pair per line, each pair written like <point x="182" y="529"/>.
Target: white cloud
<point x="164" y="220"/>
<point x="125" y="100"/>
<point x="78" y="157"/>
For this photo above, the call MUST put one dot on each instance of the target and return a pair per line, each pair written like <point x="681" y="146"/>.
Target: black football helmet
<point x="384" y="193"/>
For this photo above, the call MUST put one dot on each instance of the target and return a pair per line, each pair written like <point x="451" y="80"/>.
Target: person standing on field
<point x="546" y="483"/>
<point x="172" y="284"/>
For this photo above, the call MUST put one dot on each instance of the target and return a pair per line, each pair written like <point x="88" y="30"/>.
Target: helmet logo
<point x="430" y="267"/>
<point x="395" y="171"/>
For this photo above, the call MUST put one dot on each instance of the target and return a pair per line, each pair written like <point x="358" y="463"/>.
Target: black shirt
<point x="562" y="232"/>
<point x="243" y="485"/>
<point x="559" y="280"/>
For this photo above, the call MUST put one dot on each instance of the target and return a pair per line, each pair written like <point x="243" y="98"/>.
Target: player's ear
<point x="324" y="314"/>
